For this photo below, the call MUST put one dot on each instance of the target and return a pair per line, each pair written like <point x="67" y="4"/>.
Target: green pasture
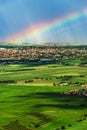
<point x="39" y="105"/>
<point x="45" y="74"/>
<point x="41" y="108"/>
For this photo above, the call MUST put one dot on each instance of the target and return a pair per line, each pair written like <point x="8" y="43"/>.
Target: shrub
<point x="63" y="127"/>
<point x="54" y="84"/>
<point x="85" y="115"/>
<point x="27" y="81"/>
<point x="69" y="125"/>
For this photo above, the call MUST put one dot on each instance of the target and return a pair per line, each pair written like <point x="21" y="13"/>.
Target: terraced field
<point x="33" y="102"/>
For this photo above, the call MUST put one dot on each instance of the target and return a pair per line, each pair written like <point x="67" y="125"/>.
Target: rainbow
<point x="44" y="27"/>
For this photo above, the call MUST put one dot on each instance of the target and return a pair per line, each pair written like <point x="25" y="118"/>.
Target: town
<point x="44" y="54"/>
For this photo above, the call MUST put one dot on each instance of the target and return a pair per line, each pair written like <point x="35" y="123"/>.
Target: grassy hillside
<point x="41" y="108"/>
<point x="39" y="104"/>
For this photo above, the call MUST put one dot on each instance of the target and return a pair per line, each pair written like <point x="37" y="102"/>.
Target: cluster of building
<point x="42" y="53"/>
<point x="82" y="92"/>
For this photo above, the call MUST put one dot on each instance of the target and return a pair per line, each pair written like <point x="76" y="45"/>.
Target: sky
<point x="40" y="21"/>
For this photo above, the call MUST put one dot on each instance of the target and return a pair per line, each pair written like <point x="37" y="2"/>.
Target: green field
<point x="34" y="103"/>
<point x="45" y="74"/>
